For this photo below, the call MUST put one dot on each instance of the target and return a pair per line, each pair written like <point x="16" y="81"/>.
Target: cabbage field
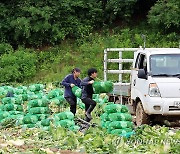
<point x="36" y="119"/>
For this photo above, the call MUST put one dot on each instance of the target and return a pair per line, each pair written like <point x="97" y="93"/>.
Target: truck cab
<point x="155" y="83"/>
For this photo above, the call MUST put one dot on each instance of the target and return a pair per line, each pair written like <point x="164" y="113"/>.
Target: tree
<point x="165" y="14"/>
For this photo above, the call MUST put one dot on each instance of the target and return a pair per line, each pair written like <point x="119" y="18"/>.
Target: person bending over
<point x="87" y="93"/>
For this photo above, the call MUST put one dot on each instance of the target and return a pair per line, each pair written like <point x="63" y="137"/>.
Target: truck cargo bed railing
<point x="120" y="88"/>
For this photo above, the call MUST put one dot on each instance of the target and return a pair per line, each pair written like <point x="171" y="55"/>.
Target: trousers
<point x="73" y="103"/>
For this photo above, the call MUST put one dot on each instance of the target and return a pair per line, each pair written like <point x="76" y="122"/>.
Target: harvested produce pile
<point x="29" y="106"/>
<point x="65" y="120"/>
<point x="117" y="120"/>
<point x="56" y="99"/>
<point x="37" y="113"/>
<point x="56" y="96"/>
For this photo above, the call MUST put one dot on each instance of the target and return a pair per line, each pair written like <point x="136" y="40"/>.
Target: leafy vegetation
<point x="56" y="62"/>
<point x="168" y="18"/>
<point x="40" y="23"/>
<point x="51" y="64"/>
<point x="147" y="140"/>
<point x="46" y="22"/>
<point x="16" y="66"/>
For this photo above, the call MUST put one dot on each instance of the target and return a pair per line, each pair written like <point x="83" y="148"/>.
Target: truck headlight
<point x="154" y="90"/>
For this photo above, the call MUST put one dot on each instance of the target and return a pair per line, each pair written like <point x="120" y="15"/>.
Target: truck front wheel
<point x="141" y="116"/>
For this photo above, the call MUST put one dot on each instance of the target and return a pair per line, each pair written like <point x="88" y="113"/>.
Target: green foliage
<point x="47" y="22"/>
<point x="5" y="48"/>
<point x="165" y="14"/>
<point x="38" y="23"/>
<point x="17" y="66"/>
<point x="56" y="62"/>
<point x="119" y="9"/>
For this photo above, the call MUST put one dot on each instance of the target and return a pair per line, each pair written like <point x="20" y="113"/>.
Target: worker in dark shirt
<point x="87" y="93"/>
<point x="69" y="82"/>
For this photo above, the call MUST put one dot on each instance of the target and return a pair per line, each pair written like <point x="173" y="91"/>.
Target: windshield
<point x="165" y="65"/>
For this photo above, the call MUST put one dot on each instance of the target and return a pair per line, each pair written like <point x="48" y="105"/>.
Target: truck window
<point x="165" y="64"/>
<point x="142" y="62"/>
<point x="137" y="61"/>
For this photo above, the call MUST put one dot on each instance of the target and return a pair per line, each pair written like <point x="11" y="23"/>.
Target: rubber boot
<point x="73" y="109"/>
<point x="87" y="119"/>
<point x="88" y="112"/>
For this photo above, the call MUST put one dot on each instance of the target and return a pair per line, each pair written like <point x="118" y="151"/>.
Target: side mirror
<point x="142" y="74"/>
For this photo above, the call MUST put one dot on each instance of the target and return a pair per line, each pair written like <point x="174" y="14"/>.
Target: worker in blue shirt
<point x="69" y="82"/>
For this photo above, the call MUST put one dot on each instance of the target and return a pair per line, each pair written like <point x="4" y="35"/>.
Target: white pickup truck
<point x="154" y="88"/>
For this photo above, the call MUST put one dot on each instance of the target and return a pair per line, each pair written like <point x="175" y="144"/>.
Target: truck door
<point x="139" y="86"/>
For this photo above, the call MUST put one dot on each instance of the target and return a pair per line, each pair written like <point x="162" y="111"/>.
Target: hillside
<point x="84" y="53"/>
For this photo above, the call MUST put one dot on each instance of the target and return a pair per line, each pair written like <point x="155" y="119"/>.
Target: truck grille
<point x="174" y="108"/>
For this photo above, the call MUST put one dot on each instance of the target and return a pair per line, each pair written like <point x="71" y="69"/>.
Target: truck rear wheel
<point x="141" y="116"/>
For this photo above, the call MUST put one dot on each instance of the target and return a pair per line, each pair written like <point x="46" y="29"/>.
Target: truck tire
<point x="141" y="116"/>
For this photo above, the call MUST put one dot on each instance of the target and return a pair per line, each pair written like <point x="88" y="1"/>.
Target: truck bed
<point x="121" y="90"/>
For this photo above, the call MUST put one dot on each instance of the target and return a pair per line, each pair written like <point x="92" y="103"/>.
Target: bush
<point x="37" y="23"/>
<point x="5" y="48"/>
<point x="42" y="22"/>
<point x="17" y="66"/>
<point x="119" y="9"/>
<point x="165" y="14"/>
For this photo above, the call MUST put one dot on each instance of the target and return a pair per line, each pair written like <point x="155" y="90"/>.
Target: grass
<point x="56" y="62"/>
